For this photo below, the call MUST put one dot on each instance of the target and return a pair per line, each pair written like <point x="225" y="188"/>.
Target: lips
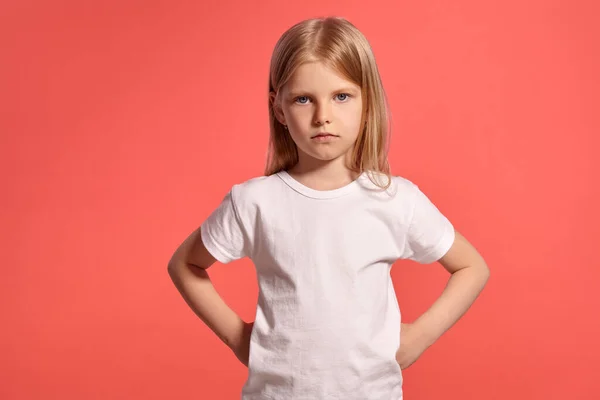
<point x="324" y="134"/>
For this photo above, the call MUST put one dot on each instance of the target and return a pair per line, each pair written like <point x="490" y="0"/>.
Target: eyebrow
<point x="296" y="93"/>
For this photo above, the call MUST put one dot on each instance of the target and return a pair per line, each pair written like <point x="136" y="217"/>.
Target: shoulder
<point x="404" y="185"/>
<point x="401" y="196"/>
<point x="255" y="185"/>
<point x="253" y="190"/>
<point x="410" y="193"/>
<point x="399" y="186"/>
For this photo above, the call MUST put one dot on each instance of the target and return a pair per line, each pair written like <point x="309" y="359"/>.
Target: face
<point x="322" y="111"/>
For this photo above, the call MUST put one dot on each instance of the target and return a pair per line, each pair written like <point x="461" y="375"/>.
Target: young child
<point x="323" y="228"/>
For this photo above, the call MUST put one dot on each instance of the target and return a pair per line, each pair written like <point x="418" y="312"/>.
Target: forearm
<point x="197" y="290"/>
<point x="459" y="294"/>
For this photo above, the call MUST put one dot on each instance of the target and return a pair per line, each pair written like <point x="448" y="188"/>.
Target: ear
<point x="277" y="108"/>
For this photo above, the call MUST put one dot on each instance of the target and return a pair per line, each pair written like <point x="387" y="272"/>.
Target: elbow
<point x="172" y="270"/>
<point x="174" y="266"/>
<point x="485" y="273"/>
<point x="178" y="266"/>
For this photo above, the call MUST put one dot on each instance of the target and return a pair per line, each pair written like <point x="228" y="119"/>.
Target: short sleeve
<point x="222" y="232"/>
<point x="430" y="234"/>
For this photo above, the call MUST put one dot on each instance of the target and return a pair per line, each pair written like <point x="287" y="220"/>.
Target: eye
<point x="343" y="97"/>
<point x="300" y="98"/>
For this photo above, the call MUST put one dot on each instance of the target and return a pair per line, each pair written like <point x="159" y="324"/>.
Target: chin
<point x="324" y="152"/>
<point x="325" y="155"/>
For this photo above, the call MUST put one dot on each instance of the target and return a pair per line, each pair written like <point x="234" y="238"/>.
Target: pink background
<point x="124" y="123"/>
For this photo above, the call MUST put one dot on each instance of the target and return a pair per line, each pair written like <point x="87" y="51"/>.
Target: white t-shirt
<point x="327" y="322"/>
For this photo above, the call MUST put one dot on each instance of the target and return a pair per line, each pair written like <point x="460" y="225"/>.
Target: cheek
<point x="293" y="115"/>
<point x="352" y="118"/>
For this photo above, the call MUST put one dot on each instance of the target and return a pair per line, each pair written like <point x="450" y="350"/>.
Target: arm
<point x="187" y="269"/>
<point x="469" y="274"/>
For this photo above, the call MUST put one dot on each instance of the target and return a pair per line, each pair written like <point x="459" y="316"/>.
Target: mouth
<point x="324" y="135"/>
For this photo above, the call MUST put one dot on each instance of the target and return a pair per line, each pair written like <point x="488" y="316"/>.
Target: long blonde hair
<point x="340" y="45"/>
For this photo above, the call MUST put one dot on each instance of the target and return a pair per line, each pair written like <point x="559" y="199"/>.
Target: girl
<point x="323" y="228"/>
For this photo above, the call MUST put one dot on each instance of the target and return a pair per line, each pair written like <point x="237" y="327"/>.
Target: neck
<point x="323" y="175"/>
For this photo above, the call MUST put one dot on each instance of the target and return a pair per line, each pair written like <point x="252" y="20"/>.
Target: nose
<point x="323" y="115"/>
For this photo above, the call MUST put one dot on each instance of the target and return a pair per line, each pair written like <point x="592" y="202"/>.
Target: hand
<point x="411" y="347"/>
<point x="242" y="347"/>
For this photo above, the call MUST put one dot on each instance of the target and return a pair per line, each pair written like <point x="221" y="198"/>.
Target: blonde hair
<point x="341" y="46"/>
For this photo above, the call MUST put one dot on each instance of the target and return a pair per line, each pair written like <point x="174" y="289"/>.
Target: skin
<point x="313" y="101"/>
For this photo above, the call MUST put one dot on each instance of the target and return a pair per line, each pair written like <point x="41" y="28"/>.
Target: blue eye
<point x="343" y="97"/>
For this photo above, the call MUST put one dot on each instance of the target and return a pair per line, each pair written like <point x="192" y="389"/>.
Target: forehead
<point x="317" y="77"/>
